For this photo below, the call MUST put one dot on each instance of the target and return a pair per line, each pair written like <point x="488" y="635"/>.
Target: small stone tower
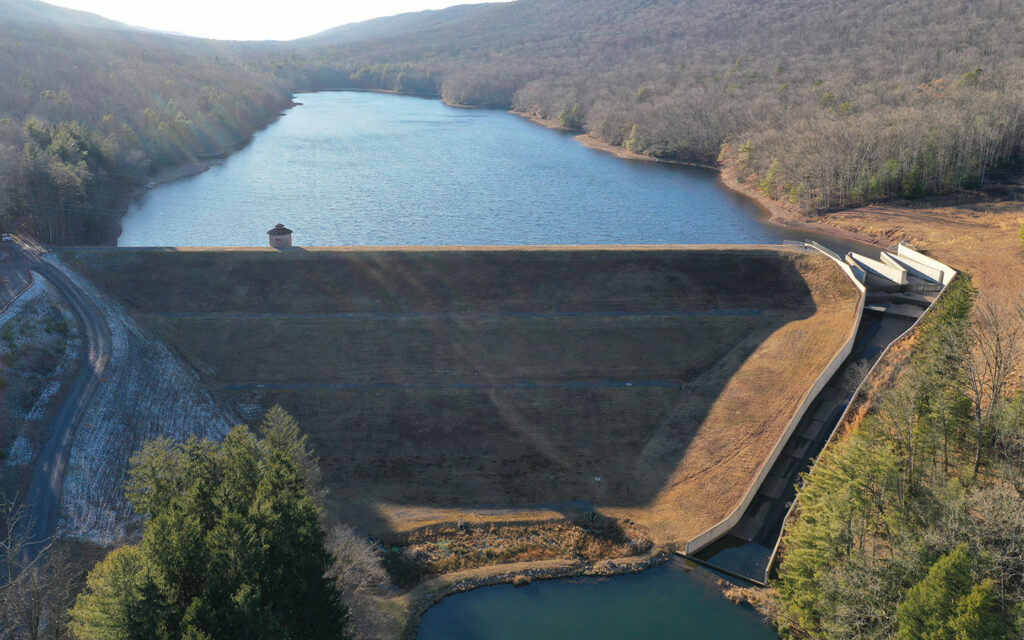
<point x="280" y="236"/>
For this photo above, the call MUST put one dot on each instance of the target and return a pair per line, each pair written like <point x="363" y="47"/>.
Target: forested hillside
<point x="90" y="108"/>
<point x="824" y="103"/>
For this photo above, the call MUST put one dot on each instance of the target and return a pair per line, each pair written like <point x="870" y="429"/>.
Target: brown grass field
<point x="509" y="384"/>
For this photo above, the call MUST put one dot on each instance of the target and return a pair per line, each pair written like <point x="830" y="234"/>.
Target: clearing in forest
<point x="502" y="384"/>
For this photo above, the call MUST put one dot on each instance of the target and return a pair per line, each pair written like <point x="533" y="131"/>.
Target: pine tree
<point x="978" y="616"/>
<point x="929" y="605"/>
<point x="948" y="605"/>
<point x="233" y="547"/>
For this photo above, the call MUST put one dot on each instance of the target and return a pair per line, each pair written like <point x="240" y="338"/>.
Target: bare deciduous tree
<point x="37" y="585"/>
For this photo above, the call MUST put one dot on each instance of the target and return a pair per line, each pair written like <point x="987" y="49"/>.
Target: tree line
<point x="90" y="111"/>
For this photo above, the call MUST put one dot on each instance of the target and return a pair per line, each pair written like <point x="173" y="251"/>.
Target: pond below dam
<point x="667" y="602"/>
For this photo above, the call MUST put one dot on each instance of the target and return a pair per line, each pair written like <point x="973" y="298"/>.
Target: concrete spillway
<point x="900" y="287"/>
<point x="746" y="550"/>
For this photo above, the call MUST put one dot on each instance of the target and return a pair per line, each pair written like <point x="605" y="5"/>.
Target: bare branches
<point x="38" y="583"/>
<point x="997" y="347"/>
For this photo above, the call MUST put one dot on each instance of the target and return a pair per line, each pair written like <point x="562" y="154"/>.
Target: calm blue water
<point x="665" y="603"/>
<point x="351" y="168"/>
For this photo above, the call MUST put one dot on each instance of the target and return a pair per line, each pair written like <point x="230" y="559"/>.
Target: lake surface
<point x="349" y="168"/>
<point x="661" y="604"/>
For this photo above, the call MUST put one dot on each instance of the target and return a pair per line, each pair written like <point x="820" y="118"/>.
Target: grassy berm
<point x="506" y="385"/>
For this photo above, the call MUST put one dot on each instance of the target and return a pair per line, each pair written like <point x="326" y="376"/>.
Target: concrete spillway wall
<point x="717" y="531"/>
<point x="894" y="273"/>
<point x="907" y="253"/>
<point x="912" y="267"/>
<point x="948" y="273"/>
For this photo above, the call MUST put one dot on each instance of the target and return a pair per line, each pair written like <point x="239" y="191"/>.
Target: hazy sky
<point x="249" y="19"/>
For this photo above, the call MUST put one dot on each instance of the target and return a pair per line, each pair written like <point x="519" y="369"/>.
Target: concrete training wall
<point x="905" y="251"/>
<point x="720" y="529"/>
<point x="889" y="272"/>
<point x="913" y="267"/>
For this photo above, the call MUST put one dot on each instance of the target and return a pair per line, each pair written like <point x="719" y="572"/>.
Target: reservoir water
<point x="374" y="169"/>
<point x="348" y="168"/>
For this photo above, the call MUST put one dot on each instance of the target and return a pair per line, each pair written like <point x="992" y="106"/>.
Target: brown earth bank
<point x="972" y="231"/>
<point x="977" y="232"/>
<point x="502" y="386"/>
<point x="411" y="557"/>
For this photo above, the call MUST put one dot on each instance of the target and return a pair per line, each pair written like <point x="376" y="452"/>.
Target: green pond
<point x="667" y="602"/>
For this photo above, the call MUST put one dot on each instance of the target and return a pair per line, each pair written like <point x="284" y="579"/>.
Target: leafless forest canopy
<point x="819" y="102"/>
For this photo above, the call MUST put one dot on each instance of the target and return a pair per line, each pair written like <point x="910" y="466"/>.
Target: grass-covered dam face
<point x="505" y="384"/>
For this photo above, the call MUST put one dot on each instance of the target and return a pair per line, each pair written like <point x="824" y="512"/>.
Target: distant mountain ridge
<point x="43" y="14"/>
<point x="393" y="26"/>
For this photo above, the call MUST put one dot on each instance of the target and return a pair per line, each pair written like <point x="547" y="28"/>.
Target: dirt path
<point x="42" y="500"/>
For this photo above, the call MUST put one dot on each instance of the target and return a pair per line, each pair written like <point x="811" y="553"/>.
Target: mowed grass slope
<point x="459" y="384"/>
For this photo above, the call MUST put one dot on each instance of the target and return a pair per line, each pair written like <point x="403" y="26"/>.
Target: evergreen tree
<point x="978" y="617"/>
<point x="233" y="547"/>
<point x="930" y="604"/>
<point x="948" y="605"/>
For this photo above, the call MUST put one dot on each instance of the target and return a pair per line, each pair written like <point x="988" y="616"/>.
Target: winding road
<point x="42" y="499"/>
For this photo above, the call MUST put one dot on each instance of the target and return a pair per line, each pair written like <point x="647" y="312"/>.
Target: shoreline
<point x="112" y="228"/>
<point x="781" y="215"/>
<point x="775" y="212"/>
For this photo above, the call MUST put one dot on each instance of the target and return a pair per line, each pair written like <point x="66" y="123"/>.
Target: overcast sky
<point x="249" y="19"/>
